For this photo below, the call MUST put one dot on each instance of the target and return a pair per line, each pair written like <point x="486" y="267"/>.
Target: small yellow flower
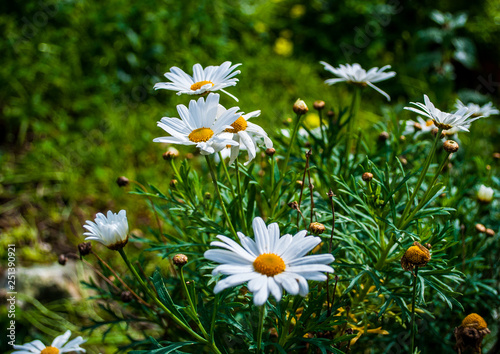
<point x="415" y="256"/>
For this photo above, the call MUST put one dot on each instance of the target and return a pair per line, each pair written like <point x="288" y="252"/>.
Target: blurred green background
<point x="78" y="109"/>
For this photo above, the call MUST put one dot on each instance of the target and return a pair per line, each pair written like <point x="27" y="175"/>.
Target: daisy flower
<point x="203" y="81"/>
<point x="460" y="120"/>
<point x="246" y="134"/>
<point x="200" y="125"/>
<point x="111" y="231"/>
<point x="269" y="264"/>
<point x="485" y="194"/>
<point x="477" y="110"/>
<point x="58" y="345"/>
<point x="421" y="126"/>
<point x="356" y="75"/>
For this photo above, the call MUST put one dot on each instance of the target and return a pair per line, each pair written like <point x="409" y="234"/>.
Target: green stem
<point x="321" y="125"/>
<point x="191" y="304"/>
<point x="240" y="197"/>
<point x="214" y="179"/>
<point x="224" y="167"/>
<point x="153" y="296"/>
<point x="427" y="163"/>
<point x="412" y="333"/>
<point x="353" y="112"/>
<point x="262" y="311"/>
<point x="214" y="314"/>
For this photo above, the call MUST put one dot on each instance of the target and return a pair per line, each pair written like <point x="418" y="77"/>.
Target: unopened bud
<point x="450" y="146"/>
<point x="480" y="228"/>
<point x="299" y="183"/>
<point x="189" y="156"/>
<point x="402" y="138"/>
<point x="367" y="176"/>
<point x="490" y="233"/>
<point x="173" y="183"/>
<point x="126" y="296"/>
<point x="84" y="248"/>
<point x="294" y="205"/>
<point x="417" y="126"/>
<point x="330" y="113"/>
<point x="208" y="196"/>
<point x="180" y="260"/>
<point x="383" y="136"/>
<point x="270" y="151"/>
<point x="319" y="105"/>
<point x="122" y="181"/>
<point x="171" y="154"/>
<point x="403" y="160"/>
<point x="428" y="245"/>
<point x="436" y="130"/>
<point x="300" y="107"/>
<point x="316" y="228"/>
<point x="62" y="259"/>
<point x="496" y="155"/>
<point x="330" y="194"/>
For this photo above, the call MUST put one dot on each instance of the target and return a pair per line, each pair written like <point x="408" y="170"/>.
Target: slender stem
<point x="153" y="296"/>
<point x="356" y="99"/>
<point x="191" y="304"/>
<point x="412" y="333"/>
<point x="321" y="125"/>
<point x="311" y="187"/>
<point x="223" y="206"/>
<point x="302" y="185"/>
<point x="262" y="311"/>
<point x="240" y="197"/>
<point x="420" y="178"/>
<point x="214" y="315"/>
<point x="224" y="167"/>
<point x="154" y="210"/>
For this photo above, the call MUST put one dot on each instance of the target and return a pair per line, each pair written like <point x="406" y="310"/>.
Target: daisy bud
<point x="415" y="256"/>
<point x="470" y="334"/>
<point x="180" y="260"/>
<point x="126" y="296"/>
<point x="299" y="183"/>
<point x="189" y="156"/>
<point x="110" y="230"/>
<point x="62" y="259"/>
<point x="173" y="183"/>
<point x="403" y="160"/>
<point x="496" y="155"/>
<point x="417" y="126"/>
<point x="485" y="194"/>
<point x="170" y="154"/>
<point x="287" y="121"/>
<point x="330" y="194"/>
<point x="436" y="130"/>
<point x="450" y="146"/>
<point x="316" y="228"/>
<point x="122" y="181"/>
<point x="490" y="232"/>
<point x="488" y="167"/>
<point x="270" y="151"/>
<point x="480" y="228"/>
<point x="294" y="205"/>
<point x="428" y="245"/>
<point x="208" y="196"/>
<point x="367" y="176"/>
<point x="84" y="248"/>
<point x="300" y="107"/>
<point x="319" y="105"/>
<point x="383" y="136"/>
<point x="330" y="113"/>
<point x="402" y="138"/>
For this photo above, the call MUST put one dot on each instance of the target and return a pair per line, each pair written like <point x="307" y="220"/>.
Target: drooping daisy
<point x="200" y="125"/>
<point x="477" y="110"/>
<point x="461" y="119"/>
<point x="269" y="264"/>
<point x="58" y="346"/>
<point x="245" y="134"/>
<point x="356" y="75"/>
<point x="111" y="231"/>
<point x="421" y="126"/>
<point x="485" y="194"/>
<point x="203" y="81"/>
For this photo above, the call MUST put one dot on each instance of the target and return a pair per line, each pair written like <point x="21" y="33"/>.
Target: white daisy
<point x="111" y="231"/>
<point x="421" y="126"/>
<point x="269" y="264"/>
<point x="210" y="79"/>
<point x="246" y="134"/>
<point x="477" y="110"/>
<point x="200" y="125"/>
<point x="355" y="74"/>
<point x="485" y="194"/>
<point x="460" y="120"/>
<point x="58" y="345"/>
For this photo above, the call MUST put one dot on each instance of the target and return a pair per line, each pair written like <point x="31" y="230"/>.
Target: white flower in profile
<point x="420" y="127"/>
<point x="269" y="264"/>
<point x="111" y="231"/>
<point x="355" y="74"/>
<point x="477" y="110"/>
<point x="461" y="119"/>
<point x="200" y="125"/>
<point x="203" y="81"/>
<point x="58" y="346"/>
<point x="485" y="194"/>
<point x="246" y="134"/>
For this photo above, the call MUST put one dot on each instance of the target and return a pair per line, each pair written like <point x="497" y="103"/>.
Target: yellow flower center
<point x="201" y="134"/>
<point x="474" y="321"/>
<point x="239" y="125"/>
<point x="50" y="350"/>
<point x="442" y="125"/>
<point x="198" y="85"/>
<point x="416" y="256"/>
<point x="269" y="264"/>
<point x="429" y="123"/>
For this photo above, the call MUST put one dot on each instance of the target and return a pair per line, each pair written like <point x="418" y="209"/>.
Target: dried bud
<point x="330" y="194"/>
<point x="300" y="107"/>
<point x="436" y="130"/>
<point x="62" y="259"/>
<point x="180" y="260"/>
<point x="208" y="196"/>
<point x="490" y="232"/>
<point x="415" y="256"/>
<point x="122" y="181"/>
<point x="84" y="248"/>
<point x="383" y="136"/>
<point x="319" y="105"/>
<point x="173" y="183"/>
<point x="126" y="296"/>
<point x="294" y="205"/>
<point x="316" y="228"/>
<point x="170" y="154"/>
<point x="480" y="228"/>
<point x="496" y="155"/>
<point x="270" y="151"/>
<point x="450" y="146"/>
<point x="367" y="176"/>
